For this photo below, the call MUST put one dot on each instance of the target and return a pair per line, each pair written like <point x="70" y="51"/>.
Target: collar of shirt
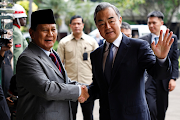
<point x="45" y="51"/>
<point x="17" y="25"/>
<point x="153" y="36"/>
<point x="116" y="43"/>
<point x="82" y="37"/>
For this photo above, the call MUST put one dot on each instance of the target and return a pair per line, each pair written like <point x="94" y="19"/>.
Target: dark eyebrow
<point x="100" y="20"/>
<point x="108" y="19"/>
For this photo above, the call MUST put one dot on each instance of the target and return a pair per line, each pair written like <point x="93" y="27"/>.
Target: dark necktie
<point x="54" y="59"/>
<point x="108" y="64"/>
<point x="156" y="40"/>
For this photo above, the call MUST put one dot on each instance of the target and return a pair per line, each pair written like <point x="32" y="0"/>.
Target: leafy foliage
<point x="86" y="10"/>
<point x="125" y="4"/>
<point x="25" y="5"/>
<point x="55" y="45"/>
<point x="70" y="8"/>
<point x="133" y="8"/>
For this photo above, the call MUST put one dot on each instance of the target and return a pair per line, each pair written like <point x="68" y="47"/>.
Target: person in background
<point x="157" y="91"/>
<point x="4" y="110"/>
<point x="44" y="89"/>
<point x="119" y="64"/>
<point x="6" y="64"/>
<point x="19" y="42"/>
<point x="126" y="29"/>
<point x="74" y="51"/>
<point x="6" y="69"/>
<point x="99" y="39"/>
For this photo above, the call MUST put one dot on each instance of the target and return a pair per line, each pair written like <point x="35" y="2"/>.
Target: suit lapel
<point x="99" y="63"/>
<point x="121" y="53"/>
<point x="52" y="65"/>
<point x="149" y="37"/>
<point x="62" y="66"/>
<point x="35" y="49"/>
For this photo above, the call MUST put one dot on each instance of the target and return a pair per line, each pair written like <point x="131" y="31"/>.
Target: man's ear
<point x="162" y="22"/>
<point x="31" y="32"/>
<point x="120" y="20"/>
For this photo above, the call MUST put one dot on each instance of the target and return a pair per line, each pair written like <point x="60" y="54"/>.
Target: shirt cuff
<point x="161" y="61"/>
<point x="79" y="90"/>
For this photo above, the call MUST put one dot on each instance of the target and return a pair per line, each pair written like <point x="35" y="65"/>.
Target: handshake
<point x="84" y="94"/>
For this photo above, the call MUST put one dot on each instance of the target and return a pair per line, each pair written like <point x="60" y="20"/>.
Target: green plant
<point x="55" y="45"/>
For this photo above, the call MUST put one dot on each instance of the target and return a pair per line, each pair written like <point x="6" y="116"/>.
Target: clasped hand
<point x="161" y="49"/>
<point x="84" y="94"/>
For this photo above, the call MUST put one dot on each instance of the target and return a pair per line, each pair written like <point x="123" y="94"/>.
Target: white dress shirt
<point x="116" y="44"/>
<point x="153" y="36"/>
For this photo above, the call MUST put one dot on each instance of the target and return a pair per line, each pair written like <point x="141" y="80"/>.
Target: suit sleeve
<point x="32" y="76"/>
<point x="93" y="89"/>
<point x="174" y="58"/>
<point x="148" y="61"/>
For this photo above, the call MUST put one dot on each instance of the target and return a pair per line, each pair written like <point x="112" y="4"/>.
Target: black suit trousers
<point x="162" y="100"/>
<point x="151" y="93"/>
<point x="157" y="99"/>
<point x="87" y="109"/>
<point x="4" y="110"/>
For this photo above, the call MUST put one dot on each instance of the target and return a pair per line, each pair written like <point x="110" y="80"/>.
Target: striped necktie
<point x="54" y="59"/>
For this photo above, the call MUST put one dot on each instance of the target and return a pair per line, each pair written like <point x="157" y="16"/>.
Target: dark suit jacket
<point x="161" y="85"/>
<point x="4" y="109"/>
<point x="173" y="55"/>
<point x="43" y="92"/>
<point x="124" y="98"/>
<point x="6" y="72"/>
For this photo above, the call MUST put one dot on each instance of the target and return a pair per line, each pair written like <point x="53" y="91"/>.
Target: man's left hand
<point x="172" y="85"/>
<point x="161" y="49"/>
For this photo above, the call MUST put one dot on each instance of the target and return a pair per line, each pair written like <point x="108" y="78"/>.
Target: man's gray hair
<point x="104" y="5"/>
<point x="125" y="25"/>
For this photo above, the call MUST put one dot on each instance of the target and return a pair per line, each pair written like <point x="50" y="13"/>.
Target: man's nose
<point x="50" y="33"/>
<point x="151" y="25"/>
<point x="107" y="25"/>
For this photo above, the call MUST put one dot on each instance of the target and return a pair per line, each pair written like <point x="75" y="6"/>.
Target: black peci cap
<point x="42" y="17"/>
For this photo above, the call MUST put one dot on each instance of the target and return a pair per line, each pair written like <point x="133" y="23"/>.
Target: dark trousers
<point x="151" y="94"/>
<point x="157" y="99"/>
<point x="4" y="110"/>
<point x="162" y="101"/>
<point x="87" y="109"/>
